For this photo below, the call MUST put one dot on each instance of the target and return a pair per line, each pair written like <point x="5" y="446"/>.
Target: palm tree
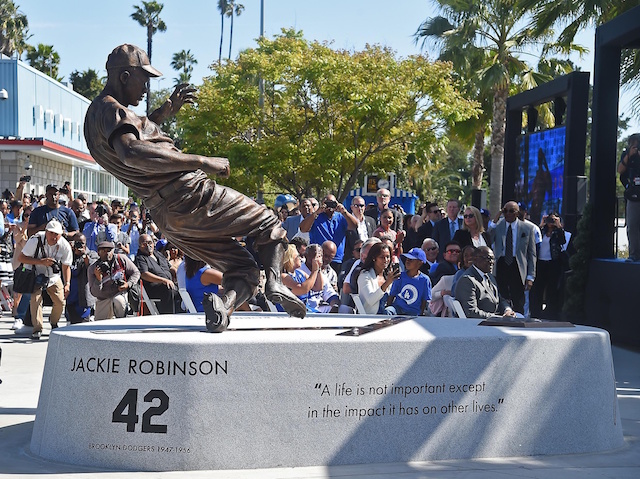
<point x="498" y="28"/>
<point x="183" y="60"/>
<point x="237" y="9"/>
<point x="45" y="59"/>
<point x="148" y="16"/>
<point x="576" y="15"/>
<point x="14" y="29"/>
<point x="223" y="8"/>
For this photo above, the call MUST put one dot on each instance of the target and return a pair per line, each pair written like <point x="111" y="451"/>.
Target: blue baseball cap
<point x="282" y="200"/>
<point x="416" y="253"/>
<point x="485" y="212"/>
<point x="161" y="244"/>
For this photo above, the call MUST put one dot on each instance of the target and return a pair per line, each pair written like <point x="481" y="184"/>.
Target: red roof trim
<point x="41" y="143"/>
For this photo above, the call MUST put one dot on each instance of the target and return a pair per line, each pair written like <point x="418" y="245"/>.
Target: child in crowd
<point x="411" y="292"/>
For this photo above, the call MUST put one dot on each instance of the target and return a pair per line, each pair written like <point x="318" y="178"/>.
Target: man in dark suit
<point x="430" y="216"/>
<point x="383" y="197"/>
<point x="514" y="245"/>
<point x="477" y="290"/>
<point x="444" y="229"/>
<point x="365" y="229"/>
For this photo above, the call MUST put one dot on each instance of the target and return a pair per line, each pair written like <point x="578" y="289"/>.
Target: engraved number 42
<point x="129" y="403"/>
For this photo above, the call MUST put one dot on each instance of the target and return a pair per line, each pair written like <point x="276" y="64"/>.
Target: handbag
<point x="24" y="280"/>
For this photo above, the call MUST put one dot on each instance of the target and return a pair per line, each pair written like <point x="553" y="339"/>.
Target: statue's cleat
<point x="290" y="302"/>
<point x="216" y="316"/>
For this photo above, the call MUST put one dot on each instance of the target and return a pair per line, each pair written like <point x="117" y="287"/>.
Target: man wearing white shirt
<point x="51" y="255"/>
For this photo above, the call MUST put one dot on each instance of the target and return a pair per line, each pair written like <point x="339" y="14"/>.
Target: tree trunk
<point x="230" y="35"/>
<point x="221" y="37"/>
<point x="478" y="159"/>
<point x="497" y="148"/>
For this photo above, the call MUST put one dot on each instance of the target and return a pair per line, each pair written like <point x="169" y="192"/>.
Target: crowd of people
<point x="378" y="259"/>
<point x="91" y="259"/>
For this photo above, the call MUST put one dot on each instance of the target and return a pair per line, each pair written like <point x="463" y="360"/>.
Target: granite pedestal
<point x="160" y="393"/>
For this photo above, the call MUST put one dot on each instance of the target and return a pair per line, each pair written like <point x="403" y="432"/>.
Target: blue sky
<point x="84" y="33"/>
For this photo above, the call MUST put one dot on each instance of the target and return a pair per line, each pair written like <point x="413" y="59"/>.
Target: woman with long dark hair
<point x="376" y="278"/>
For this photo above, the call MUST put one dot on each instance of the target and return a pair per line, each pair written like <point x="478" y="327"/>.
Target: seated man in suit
<point x="477" y="291"/>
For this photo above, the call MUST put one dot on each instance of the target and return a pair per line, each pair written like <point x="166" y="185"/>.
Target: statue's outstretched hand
<point x="184" y="93"/>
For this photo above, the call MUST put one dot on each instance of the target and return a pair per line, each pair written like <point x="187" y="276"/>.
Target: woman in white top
<point x="376" y="277"/>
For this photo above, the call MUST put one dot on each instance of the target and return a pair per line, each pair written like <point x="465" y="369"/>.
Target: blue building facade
<point x="41" y="135"/>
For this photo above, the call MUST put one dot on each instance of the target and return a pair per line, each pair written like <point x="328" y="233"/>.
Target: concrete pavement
<point x="21" y="372"/>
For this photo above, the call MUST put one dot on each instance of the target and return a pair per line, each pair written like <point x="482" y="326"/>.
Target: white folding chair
<point x="358" y="302"/>
<point x="188" y="302"/>
<point x="153" y="309"/>
<point x="454" y="307"/>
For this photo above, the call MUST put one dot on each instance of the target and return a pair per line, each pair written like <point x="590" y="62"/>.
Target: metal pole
<point x="260" y="195"/>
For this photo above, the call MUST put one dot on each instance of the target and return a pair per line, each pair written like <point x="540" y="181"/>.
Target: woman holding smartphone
<point x="376" y="278"/>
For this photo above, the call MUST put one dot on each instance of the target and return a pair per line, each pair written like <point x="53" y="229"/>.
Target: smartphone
<point x="395" y="268"/>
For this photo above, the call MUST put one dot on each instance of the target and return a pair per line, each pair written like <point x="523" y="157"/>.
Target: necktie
<point x="489" y="285"/>
<point x="508" y="246"/>
<point x="452" y="229"/>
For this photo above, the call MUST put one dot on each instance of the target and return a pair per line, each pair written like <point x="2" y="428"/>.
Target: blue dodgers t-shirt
<point x="410" y="293"/>
<point x="333" y="229"/>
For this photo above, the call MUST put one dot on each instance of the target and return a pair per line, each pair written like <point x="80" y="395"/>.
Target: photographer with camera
<point x="41" y="215"/>
<point x="330" y="222"/>
<point x="80" y="301"/>
<point x="110" y="279"/>
<point x="98" y="229"/>
<point x="51" y="255"/>
<point x="629" y="169"/>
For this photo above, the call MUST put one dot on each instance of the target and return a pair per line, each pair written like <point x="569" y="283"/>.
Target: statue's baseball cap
<point x="131" y="56"/>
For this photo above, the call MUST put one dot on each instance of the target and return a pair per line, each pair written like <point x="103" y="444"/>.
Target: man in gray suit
<point x="477" y="291"/>
<point x="514" y="245"/>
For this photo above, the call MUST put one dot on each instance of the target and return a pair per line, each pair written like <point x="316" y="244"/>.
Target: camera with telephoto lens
<point x="331" y="204"/>
<point x="25" y="178"/>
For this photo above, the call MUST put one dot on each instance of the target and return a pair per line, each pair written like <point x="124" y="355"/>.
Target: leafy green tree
<point x="87" y="83"/>
<point x="148" y="16"/>
<point x="44" y="58"/>
<point x="235" y="9"/>
<point x="328" y="115"/>
<point x="183" y="60"/>
<point x="500" y="30"/>
<point x="14" y="29"/>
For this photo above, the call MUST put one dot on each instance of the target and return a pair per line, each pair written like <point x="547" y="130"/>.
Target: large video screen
<point x="540" y="175"/>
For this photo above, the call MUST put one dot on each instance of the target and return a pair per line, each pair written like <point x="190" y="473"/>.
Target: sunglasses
<point x="469" y="216"/>
<point x="358" y="206"/>
<point x="453" y="251"/>
<point x="433" y="248"/>
<point x="504" y="210"/>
